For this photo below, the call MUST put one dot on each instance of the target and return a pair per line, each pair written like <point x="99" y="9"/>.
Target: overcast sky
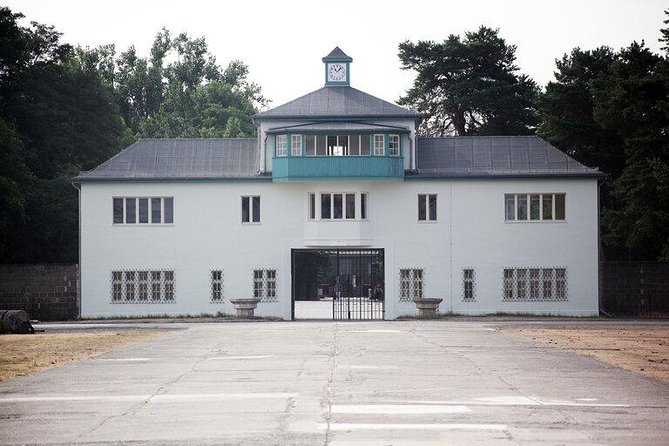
<point x="283" y="41"/>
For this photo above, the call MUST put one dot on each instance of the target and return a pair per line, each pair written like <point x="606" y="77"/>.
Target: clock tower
<point x="337" y="68"/>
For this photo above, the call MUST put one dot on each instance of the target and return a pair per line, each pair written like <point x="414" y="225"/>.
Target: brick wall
<point x="635" y="288"/>
<point x="46" y="292"/>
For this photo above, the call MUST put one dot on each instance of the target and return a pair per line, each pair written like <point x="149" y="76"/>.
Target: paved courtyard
<point x="323" y="383"/>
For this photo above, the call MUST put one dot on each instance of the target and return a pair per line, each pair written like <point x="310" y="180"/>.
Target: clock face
<point x="336" y="72"/>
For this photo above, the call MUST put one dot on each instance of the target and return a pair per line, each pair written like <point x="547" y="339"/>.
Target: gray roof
<point x="338" y="55"/>
<point x="173" y="159"/>
<point x="339" y="126"/>
<point x="340" y="102"/>
<point x="485" y="156"/>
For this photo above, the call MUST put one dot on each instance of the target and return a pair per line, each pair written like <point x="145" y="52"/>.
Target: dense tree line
<point x="607" y="109"/>
<point x="66" y="109"/>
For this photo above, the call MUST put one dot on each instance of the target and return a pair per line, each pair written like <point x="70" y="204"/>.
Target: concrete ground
<point x="323" y="383"/>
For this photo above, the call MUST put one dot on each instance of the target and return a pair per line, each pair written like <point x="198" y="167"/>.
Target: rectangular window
<point x="156" y="285"/>
<point x="143" y="210"/>
<point x="379" y="145"/>
<point x="130" y="210"/>
<point x="427" y="207"/>
<point x="350" y="206"/>
<point x="310" y="142"/>
<point x="156" y="210"/>
<point x="337" y="206"/>
<point x="251" y="209"/>
<point x="312" y="206"/>
<point x="168" y="277"/>
<point x="468" y="284"/>
<point x="281" y="145"/>
<point x="264" y="285"/>
<point x="363" y="206"/>
<point x="325" y="206"/>
<point x="117" y="287"/>
<point x="411" y="284"/>
<point x="216" y="285"/>
<point x="143" y="285"/>
<point x="321" y="145"/>
<point x="559" y="206"/>
<point x="296" y="145"/>
<point x="522" y="207"/>
<point x="365" y="149"/>
<point x="394" y="145"/>
<point x="118" y="210"/>
<point x="534" y="207"/>
<point x="534" y="284"/>
<point x="130" y="286"/>
<point x="354" y="148"/>
<point x="168" y="206"/>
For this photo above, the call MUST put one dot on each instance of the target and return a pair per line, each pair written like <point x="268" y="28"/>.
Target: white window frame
<point x="136" y="200"/>
<point x="281" y="145"/>
<point x="426" y="198"/>
<point x="379" y="150"/>
<point x="295" y="145"/>
<point x="251" y="209"/>
<point x="528" y="198"/>
<point x="357" y="206"/>
<point x="394" y="145"/>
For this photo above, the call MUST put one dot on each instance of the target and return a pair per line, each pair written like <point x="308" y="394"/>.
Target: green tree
<point x="469" y="86"/>
<point x="610" y="109"/>
<point x="57" y="117"/>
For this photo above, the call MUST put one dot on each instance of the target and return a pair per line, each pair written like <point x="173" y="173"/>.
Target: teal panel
<point x="337" y="167"/>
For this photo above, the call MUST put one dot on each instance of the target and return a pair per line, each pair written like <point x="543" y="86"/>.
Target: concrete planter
<point x="428" y="306"/>
<point x="245" y="307"/>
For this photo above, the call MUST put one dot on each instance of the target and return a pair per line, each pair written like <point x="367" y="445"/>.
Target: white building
<point x="338" y="196"/>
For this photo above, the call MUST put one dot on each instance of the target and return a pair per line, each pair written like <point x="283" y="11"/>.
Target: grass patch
<point x="24" y="354"/>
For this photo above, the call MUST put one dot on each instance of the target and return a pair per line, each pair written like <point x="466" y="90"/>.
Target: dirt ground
<point x="24" y="354"/>
<point x="641" y="349"/>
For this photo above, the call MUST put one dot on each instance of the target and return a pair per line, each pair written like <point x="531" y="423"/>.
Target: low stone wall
<point x="635" y="288"/>
<point x="46" y="292"/>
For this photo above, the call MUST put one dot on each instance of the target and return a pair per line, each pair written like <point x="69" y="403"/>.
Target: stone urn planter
<point x="428" y="306"/>
<point x="245" y="307"/>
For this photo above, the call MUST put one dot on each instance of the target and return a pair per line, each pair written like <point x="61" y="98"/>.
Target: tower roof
<point x="337" y="55"/>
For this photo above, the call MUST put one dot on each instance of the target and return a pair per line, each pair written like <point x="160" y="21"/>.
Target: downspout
<point x="78" y="188"/>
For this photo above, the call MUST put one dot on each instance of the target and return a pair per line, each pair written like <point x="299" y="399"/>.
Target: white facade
<point x="470" y="255"/>
<point x="470" y="232"/>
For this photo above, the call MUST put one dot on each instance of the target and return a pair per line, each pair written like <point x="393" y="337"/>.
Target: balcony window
<point x="296" y="145"/>
<point x="281" y="145"/>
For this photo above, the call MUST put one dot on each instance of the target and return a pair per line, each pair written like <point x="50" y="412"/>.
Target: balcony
<point x="304" y="168"/>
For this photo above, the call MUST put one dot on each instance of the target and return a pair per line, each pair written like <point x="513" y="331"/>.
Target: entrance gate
<point x="351" y="279"/>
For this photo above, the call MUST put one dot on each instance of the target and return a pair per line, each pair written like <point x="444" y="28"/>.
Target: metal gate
<point x="351" y="278"/>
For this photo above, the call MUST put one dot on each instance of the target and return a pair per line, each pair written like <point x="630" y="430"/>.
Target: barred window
<point x="142" y="286"/>
<point x="534" y="284"/>
<point x="216" y="285"/>
<point x="468" y="284"/>
<point x="264" y="284"/>
<point x="411" y="284"/>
